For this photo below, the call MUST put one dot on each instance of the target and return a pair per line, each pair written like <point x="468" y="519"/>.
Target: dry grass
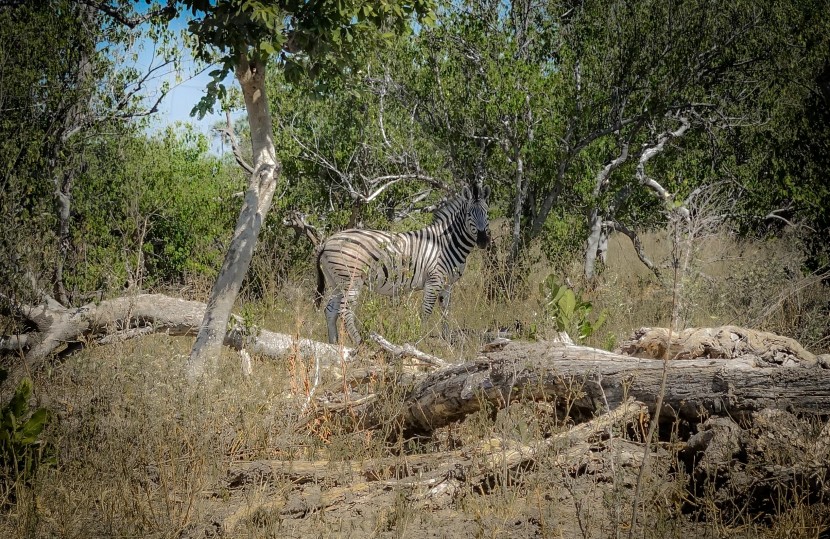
<point x="141" y="455"/>
<point x="757" y="284"/>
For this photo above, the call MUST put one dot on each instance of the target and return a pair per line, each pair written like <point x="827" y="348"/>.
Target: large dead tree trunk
<point x="583" y="380"/>
<point x="129" y="317"/>
<point x="715" y="372"/>
<point x="263" y="182"/>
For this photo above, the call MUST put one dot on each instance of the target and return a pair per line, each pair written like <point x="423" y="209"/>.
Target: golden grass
<point x="142" y="455"/>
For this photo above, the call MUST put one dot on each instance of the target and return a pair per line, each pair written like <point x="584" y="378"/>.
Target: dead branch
<point x="635" y="241"/>
<point x="129" y="317"/>
<point x="498" y="455"/>
<point x="333" y="472"/>
<point x="582" y="382"/>
<point x="299" y="222"/>
<point x="407" y="350"/>
<point x="443" y="472"/>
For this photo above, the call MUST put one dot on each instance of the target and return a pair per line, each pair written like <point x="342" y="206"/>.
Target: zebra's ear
<point x="466" y="193"/>
<point x="485" y="193"/>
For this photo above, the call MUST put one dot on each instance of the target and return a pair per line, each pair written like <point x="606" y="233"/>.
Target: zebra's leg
<point x="349" y="300"/>
<point x="332" y="312"/>
<point x="432" y="288"/>
<point x="444" y="301"/>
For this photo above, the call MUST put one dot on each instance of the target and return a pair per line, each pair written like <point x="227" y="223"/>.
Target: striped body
<point x="429" y="259"/>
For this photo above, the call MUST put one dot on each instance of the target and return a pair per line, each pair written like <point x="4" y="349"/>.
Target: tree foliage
<point x="153" y="210"/>
<point x="140" y="209"/>
<point x="585" y="117"/>
<point x="308" y="41"/>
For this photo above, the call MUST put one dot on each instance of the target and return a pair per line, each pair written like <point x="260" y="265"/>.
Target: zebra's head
<point x="477" y="222"/>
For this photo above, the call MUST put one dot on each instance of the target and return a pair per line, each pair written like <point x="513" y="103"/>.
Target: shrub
<point x="21" y="448"/>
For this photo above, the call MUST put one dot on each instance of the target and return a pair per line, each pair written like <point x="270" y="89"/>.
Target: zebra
<point x="430" y="259"/>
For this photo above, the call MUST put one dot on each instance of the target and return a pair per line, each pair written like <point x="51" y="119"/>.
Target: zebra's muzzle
<point x="483" y="239"/>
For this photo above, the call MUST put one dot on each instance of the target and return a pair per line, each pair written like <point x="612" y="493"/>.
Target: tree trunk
<point x="592" y="245"/>
<point x="518" y="210"/>
<point x="261" y="187"/>
<point x="597" y="242"/>
<point x="584" y="382"/>
<point x="128" y="317"/>
<point x="63" y="161"/>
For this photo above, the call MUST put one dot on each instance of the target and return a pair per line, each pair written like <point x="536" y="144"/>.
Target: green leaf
<point x="268" y="48"/>
<point x="34" y="426"/>
<point x="19" y="403"/>
<point x="567" y="303"/>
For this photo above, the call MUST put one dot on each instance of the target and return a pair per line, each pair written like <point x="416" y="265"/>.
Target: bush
<point x="21" y="448"/>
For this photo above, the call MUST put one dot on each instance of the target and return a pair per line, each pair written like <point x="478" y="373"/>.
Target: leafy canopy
<point x="311" y="39"/>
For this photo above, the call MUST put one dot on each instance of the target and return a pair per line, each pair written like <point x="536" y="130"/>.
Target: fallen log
<point x="583" y="382"/>
<point x="129" y="317"/>
<point x="241" y="474"/>
<point x="724" y="342"/>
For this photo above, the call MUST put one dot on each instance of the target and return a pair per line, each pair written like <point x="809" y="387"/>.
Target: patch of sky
<point x="182" y="81"/>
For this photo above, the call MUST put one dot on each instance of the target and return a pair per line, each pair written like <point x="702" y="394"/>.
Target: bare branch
<point x="228" y="132"/>
<point x="395" y="178"/>
<point x="138" y="86"/>
<point x="651" y="150"/>
<point x="403" y="213"/>
<point x="300" y="224"/>
<point x="169" y="11"/>
<point x="407" y="350"/>
<point x="774" y="215"/>
<point x="604" y="174"/>
<point x="638" y="245"/>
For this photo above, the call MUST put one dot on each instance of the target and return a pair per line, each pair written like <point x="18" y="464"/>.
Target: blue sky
<point x="187" y="86"/>
<point x="186" y="90"/>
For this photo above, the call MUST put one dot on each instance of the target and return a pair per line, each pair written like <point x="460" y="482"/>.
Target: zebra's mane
<point x="449" y="208"/>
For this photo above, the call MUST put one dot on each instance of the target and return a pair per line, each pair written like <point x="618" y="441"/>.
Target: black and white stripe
<point x="430" y="259"/>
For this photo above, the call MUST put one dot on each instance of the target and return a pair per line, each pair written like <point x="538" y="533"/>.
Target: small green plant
<point x="568" y="311"/>
<point x="21" y="448"/>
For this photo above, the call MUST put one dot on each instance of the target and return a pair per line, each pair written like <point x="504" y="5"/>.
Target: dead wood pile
<point x="724" y="342"/>
<point x="744" y="415"/>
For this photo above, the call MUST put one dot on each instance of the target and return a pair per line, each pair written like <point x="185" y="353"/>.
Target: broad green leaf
<point x="567" y="302"/>
<point x="20" y="401"/>
<point x="34" y="426"/>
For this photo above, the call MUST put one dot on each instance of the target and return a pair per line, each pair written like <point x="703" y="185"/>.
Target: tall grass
<point x="140" y="455"/>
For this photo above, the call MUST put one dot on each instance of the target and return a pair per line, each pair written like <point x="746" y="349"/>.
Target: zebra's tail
<point x="321" y="282"/>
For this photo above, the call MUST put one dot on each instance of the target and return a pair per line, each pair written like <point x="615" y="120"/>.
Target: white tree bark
<point x="599" y="221"/>
<point x="651" y="150"/>
<point x="129" y="317"/>
<point x="595" y="243"/>
<point x="261" y="187"/>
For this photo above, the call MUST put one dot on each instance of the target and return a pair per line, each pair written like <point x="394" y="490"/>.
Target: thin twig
<point x="655" y="420"/>
<point x="407" y="350"/>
